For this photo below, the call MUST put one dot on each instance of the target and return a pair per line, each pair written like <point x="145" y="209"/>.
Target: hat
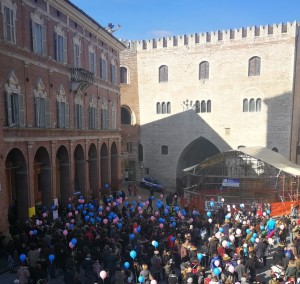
<point x="226" y="257"/>
<point x="156" y="252"/>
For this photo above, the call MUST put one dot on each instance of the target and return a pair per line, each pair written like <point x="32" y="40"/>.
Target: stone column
<point x="30" y="159"/>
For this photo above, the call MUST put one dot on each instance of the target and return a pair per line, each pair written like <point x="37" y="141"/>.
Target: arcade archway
<point x="114" y="167"/>
<point x="104" y="165"/>
<point x="17" y="186"/>
<point x="79" y="176"/>
<point x="196" y="152"/>
<point x="93" y="176"/>
<point x="42" y="178"/>
<point x="63" y="174"/>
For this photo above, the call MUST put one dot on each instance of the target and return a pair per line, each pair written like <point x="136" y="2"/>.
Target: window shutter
<point x="33" y="34"/>
<point x="47" y="113"/>
<point x="8" y="108"/>
<point x="82" y="118"/>
<point x="56" y="45"/>
<point x="96" y="118"/>
<point x="21" y="111"/>
<point x="44" y="29"/>
<point x="58" y="111"/>
<point x="107" y="119"/>
<point x="65" y="50"/>
<point x="90" y="118"/>
<point x="37" y="112"/>
<point x="75" y="116"/>
<point x="67" y="119"/>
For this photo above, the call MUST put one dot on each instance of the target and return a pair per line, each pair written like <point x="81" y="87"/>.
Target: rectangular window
<point x="62" y="115"/>
<point x="59" y="48"/>
<point x="129" y="147"/>
<point x="9" y="25"/>
<point x="92" y="118"/>
<point x="14" y="109"/>
<point x="76" y="55"/>
<point x="38" y="38"/>
<point x="42" y="112"/>
<point x="164" y="150"/>
<point x="113" y="74"/>
<point x="103" y="69"/>
<point x="92" y="62"/>
<point x="78" y="116"/>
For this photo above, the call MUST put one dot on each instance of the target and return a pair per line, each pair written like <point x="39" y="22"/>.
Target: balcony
<point x="81" y="79"/>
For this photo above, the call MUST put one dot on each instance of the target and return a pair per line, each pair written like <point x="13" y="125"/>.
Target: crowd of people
<point x="117" y="241"/>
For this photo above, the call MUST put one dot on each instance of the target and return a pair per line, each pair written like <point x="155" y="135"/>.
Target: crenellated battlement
<point x="224" y="36"/>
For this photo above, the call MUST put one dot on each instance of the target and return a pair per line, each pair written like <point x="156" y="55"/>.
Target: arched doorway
<point x="93" y="176"/>
<point x="17" y="186"/>
<point x="104" y="165"/>
<point x="196" y="152"/>
<point x="114" y="167"/>
<point x="79" y="176"/>
<point x="42" y="178"/>
<point x="63" y="175"/>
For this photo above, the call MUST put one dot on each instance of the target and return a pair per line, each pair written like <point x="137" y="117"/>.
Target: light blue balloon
<point x="133" y="254"/>
<point x="216" y="271"/>
<point x="199" y="256"/>
<point x="141" y="279"/>
<point x="126" y="265"/>
<point x="208" y="214"/>
<point x="51" y="257"/>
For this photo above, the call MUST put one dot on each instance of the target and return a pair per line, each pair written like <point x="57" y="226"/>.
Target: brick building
<point x="186" y="98"/>
<point x="60" y="119"/>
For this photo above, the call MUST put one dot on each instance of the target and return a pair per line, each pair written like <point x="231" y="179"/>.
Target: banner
<point x="231" y="182"/>
<point x="216" y="207"/>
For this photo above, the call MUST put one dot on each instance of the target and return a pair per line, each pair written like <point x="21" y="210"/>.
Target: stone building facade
<point x="60" y="119"/>
<point x="194" y="96"/>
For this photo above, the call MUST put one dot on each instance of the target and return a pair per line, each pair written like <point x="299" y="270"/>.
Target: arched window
<point x="163" y="73"/>
<point x="158" y="108"/>
<point x="254" y="66"/>
<point x="163" y="107"/>
<point x="168" y="107"/>
<point x="123" y="75"/>
<point x="245" y="105"/>
<point x="197" y="106"/>
<point x="252" y="105"/>
<point x="125" y="116"/>
<point x="208" y="107"/>
<point x="204" y="70"/>
<point x="258" y="105"/>
<point x="203" y="106"/>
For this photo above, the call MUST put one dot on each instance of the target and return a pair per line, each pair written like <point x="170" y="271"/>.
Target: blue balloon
<point x="83" y="212"/>
<point x="152" y="197"/>
<point x="212" y="204"/>
<point x="141" y="279"/>
<point x="252" y="240"/>
<point x="227" y="217"/>
<point x="142" y="204"/>
<point x="126" y="265"/>
<point x="173" y="239"/>
<point x="133" y="254"/>
<point x="22" y="257"/>
<point x="216" y="271"/>
<point x="208" y="214"/>
<point x="71" y="226"/>
<point x="69" y="206"/>
<point x="248" y="231"/>
<point x="92" y="220"/>
<point x="177" y="208"/>
<point x="120" y="225"/>
<point x="51" y="257"/>
<point x="262" y="227"/>
<point x="74" y="241"/>
<point x="228" y="244"/>
<point x="138" y="229"/>
<point x="131" y="236"/>
<point x="254" y="235"/>
<point x="174" y="224"/>
<point x="34" y="232"/>
<point x="98" y="219"/>
<point x="199" y="256"/>
<point x="106" y="186"/>
<point x="221" y="230"/>
<point x="268" y="212"/>
<point x="86" y="218"/>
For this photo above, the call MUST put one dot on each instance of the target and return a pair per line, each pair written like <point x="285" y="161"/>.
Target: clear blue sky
<point x="147" y="19"/>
